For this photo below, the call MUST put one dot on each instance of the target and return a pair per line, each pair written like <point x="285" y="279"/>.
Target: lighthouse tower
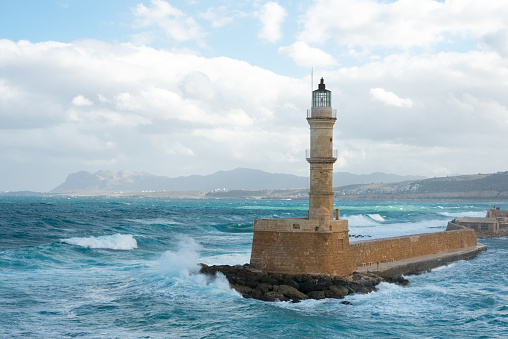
<point x="321" y="156"/>
<point x="317" y="244"/>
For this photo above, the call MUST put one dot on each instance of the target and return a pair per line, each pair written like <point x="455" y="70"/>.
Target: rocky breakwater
<point x="261" y="285"/>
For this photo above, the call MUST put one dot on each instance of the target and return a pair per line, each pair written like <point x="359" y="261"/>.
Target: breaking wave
<point x="471" y="214"/>
<point x="112" y="242"/>
<point x="364" y="220"/>
<point x="376" y="217"/>
<point x="182" y="262"/>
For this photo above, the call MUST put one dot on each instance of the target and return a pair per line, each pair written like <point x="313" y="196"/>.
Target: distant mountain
<point x="237" y="179"/>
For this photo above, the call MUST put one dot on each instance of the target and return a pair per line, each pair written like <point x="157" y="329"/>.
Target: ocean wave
<point x="184" y="261"/>
<point x="376" y="217"/>
<point x="112" y="242"/>
<point x="471" y="214"/>
<point x="155" y="221"/>
<point x="235" y="228"/>
<point x="363" y="220"/>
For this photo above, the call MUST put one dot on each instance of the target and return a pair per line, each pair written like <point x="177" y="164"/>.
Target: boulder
<point x="263" y="287"/>
<point x="276" y="296"/>
<point x="291" y="292"/>
<point x="337" y="292"/>
<point x="307" y="285"/>
<point x="316" y="295"/>
<point x="245" y="291"/>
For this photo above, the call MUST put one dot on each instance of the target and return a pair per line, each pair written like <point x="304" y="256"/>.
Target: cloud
<point x="169" y="20"/>
<point x="390" y="98"/>
<point x="176" y="113"/>
<point x="153" y="110"/>
<point x="305" y="56"/>
<point x="401" y="24"/>
<point x="80" y="100"/>
<point x="220" y="16"/>
<point x="271" y="15"/>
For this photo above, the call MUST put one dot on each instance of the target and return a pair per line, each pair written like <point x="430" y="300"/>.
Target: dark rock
<point x="243" y="290"/>
<point x="291" y="292"/>
<point x="276" y="296"/>
<point x="403" y="282"/>
<point x="316" y="295"/>
<point x="345" y="302"/>
<point x="261" y="285"/>
<point x="307" y="285"/>
<point x="323" y="283"/>
<point x="269" y="280"/>
<point x="290" y="282"/>
<point x="339" y="281"/>
<point x="338" y="292"/>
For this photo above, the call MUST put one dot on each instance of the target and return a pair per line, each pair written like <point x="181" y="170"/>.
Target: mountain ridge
<point x="104" y="181"/>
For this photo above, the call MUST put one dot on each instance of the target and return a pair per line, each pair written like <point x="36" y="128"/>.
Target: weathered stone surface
<point x="263" y="287"/>
<point x="243" y="290"/>
<point x="291" y="292"/>
<point x="338" y="292"/>
<point x="316" y="295"/>
<point x="276" y="296"/>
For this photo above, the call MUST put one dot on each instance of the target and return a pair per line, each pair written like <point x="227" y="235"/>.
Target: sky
<point x="176" y="88"/>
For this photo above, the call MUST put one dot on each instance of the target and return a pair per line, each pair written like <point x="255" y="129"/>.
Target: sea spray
<point x="113" y="242"/>
<point x="184" y="261"/>
<point x="183" y="266"/>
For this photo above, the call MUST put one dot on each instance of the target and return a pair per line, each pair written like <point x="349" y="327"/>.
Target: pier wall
<point x="368" y="253"/>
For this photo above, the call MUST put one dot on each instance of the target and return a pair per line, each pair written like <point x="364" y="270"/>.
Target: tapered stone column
<point x="321" y="155"/>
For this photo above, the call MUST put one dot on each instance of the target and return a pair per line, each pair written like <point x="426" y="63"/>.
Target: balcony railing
<point x="310" y="154"/>
<point x="321" y="113"/>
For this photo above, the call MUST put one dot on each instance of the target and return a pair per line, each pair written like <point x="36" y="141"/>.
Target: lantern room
<point x="321" y="97"/>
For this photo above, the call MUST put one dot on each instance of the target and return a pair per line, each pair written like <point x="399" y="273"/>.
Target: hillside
<point x="487" y="187"/>
<point x="237" y="179"/>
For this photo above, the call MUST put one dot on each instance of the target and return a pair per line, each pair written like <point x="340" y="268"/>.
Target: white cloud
<point x="174" y="113"/>
<point x="307" y="56"/>
<point x="80" y="100"/>
<point x="390" y="98"/>
<point x="402" y="23"/>
<point x="271" y="15"/>
<point x="154" y="111"/>
<point x="170" y="20"/>
<point x="219" y="16"/>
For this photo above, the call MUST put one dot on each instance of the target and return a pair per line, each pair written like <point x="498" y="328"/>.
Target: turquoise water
<point x="126" y="268"/>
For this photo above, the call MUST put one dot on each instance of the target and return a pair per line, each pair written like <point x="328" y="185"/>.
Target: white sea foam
<point x="155" y="221"/>
<point x="384" y="230"/>
<point x="465" y="214"/>
<point x="184" y="261"/>
<point x="361" y="220"/>
<point x="227" y="259"/>
<point x="112" y="242"/>
<point x="376" y="217"/>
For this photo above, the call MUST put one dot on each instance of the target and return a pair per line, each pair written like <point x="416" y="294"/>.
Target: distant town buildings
<point x="494" y="223"/>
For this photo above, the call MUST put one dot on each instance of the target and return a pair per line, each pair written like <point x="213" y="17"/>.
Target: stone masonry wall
<point x="399" y="248"/>
<point x="301" y="252"/>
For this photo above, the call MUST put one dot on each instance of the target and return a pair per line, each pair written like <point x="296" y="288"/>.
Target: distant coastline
<point x="292" y="194"/>
<point x="237" y="184"/>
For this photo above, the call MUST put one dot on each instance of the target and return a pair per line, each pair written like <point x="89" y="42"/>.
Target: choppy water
<point x="125" y="267"/>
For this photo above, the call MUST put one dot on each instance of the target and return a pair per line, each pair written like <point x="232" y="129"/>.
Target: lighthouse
<point x="321" y="156"/>
<point x="318" y="244"/>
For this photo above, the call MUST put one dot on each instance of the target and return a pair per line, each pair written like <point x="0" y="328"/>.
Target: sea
<point x="117" y="267"/>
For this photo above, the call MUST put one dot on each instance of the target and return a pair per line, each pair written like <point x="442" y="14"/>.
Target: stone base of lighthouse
<point x="302" y="246"/>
